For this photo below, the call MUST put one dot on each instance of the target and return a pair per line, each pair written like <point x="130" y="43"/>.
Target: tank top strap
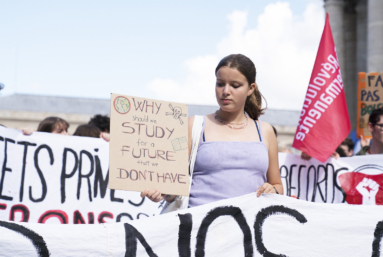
<point x="259" y="129"/>
<point x="202" y="137"/>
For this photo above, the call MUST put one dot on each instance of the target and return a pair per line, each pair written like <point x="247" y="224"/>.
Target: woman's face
<point x="377" y="131"/>
<point x="60" y="129"/>
<point x="232" y="89"/>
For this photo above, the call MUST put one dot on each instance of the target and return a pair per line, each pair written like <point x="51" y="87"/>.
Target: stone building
<point x="20" y="111"/>
<point x="357" y="28"/>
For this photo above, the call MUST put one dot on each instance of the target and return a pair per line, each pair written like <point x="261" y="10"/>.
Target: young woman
<point x="54" y="125"/>
<point x="238" y="153"/>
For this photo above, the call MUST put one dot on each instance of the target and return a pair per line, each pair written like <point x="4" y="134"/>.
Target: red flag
<point x="324" y="122"/>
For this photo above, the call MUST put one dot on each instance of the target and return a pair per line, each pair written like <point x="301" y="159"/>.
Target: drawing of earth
<point x="122" y="104"/>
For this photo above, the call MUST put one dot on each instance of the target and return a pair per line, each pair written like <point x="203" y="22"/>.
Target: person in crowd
<point x="87" y="131"/>
<point x="375" y="125"/>
<point x="56" y="125"/>
<point x="348" y="147"/>
<point x="53" y="125"/>
<point x="237" y="153"/>
<point x="340" y="152"/>
<point x="103" y="123"/>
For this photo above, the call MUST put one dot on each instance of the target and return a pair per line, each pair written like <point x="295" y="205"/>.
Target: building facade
<point x="357" y="28"/>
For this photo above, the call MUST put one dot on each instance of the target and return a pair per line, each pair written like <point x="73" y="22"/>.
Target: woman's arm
<point x="273" y="175"/>
<point x="154" y="194"/>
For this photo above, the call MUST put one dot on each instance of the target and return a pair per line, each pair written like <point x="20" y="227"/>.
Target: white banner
<point x="270" y="225"/>
<point x="354" y="180"/>
<point x="50" y="178"/>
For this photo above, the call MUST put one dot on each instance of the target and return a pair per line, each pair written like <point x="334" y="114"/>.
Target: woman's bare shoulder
<point x="267" y="129"/>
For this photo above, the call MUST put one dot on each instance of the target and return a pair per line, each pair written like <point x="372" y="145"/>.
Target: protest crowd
<point x="150" y="159"/>
<point x="232" y="152"/>
<point x="249" y="117"/>
<point x="241" y="118"/>
<point x="98" y="127"/>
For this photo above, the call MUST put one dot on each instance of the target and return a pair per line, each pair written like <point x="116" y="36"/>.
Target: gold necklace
<point x="233" y="123"/>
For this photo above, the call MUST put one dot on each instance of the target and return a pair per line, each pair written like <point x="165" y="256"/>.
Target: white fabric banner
<point x="270" y="225"/>
<point x="50" y="178"/>
<point x="354" y="180"/>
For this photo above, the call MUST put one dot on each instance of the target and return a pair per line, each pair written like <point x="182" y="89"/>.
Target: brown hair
<point x="87" y="131"/>
<point x="349" y="143"/>
<point x="244" y="65"/>
<point x="51" y="123"/>
<point x="375" y="116"/>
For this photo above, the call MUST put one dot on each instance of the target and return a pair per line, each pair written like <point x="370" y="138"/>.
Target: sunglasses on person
<point x="380" y="125"/>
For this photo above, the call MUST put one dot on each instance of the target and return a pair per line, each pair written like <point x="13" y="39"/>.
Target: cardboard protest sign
<point x="269" y="225"/>
<point x="148" y="145"/>
<point x="370" y="97"/>
<point x="50" y="178"/>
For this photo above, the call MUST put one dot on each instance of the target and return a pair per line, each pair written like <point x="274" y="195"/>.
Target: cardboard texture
<point x="370" y="97"/>
<point x="148" y="145"/>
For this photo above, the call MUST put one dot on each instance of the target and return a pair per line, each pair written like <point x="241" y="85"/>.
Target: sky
<point x="165" y="50"/>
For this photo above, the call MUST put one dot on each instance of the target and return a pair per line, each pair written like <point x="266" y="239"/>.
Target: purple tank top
<point x="226" y="169"/>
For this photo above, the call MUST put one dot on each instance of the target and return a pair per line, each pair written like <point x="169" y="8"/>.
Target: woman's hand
<point x="266" y="188"/>
<point x="105" y="136"/>
<point x="156" y="196"/>
<point x="27" y="131"/>
<point x="335" y="155"/>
